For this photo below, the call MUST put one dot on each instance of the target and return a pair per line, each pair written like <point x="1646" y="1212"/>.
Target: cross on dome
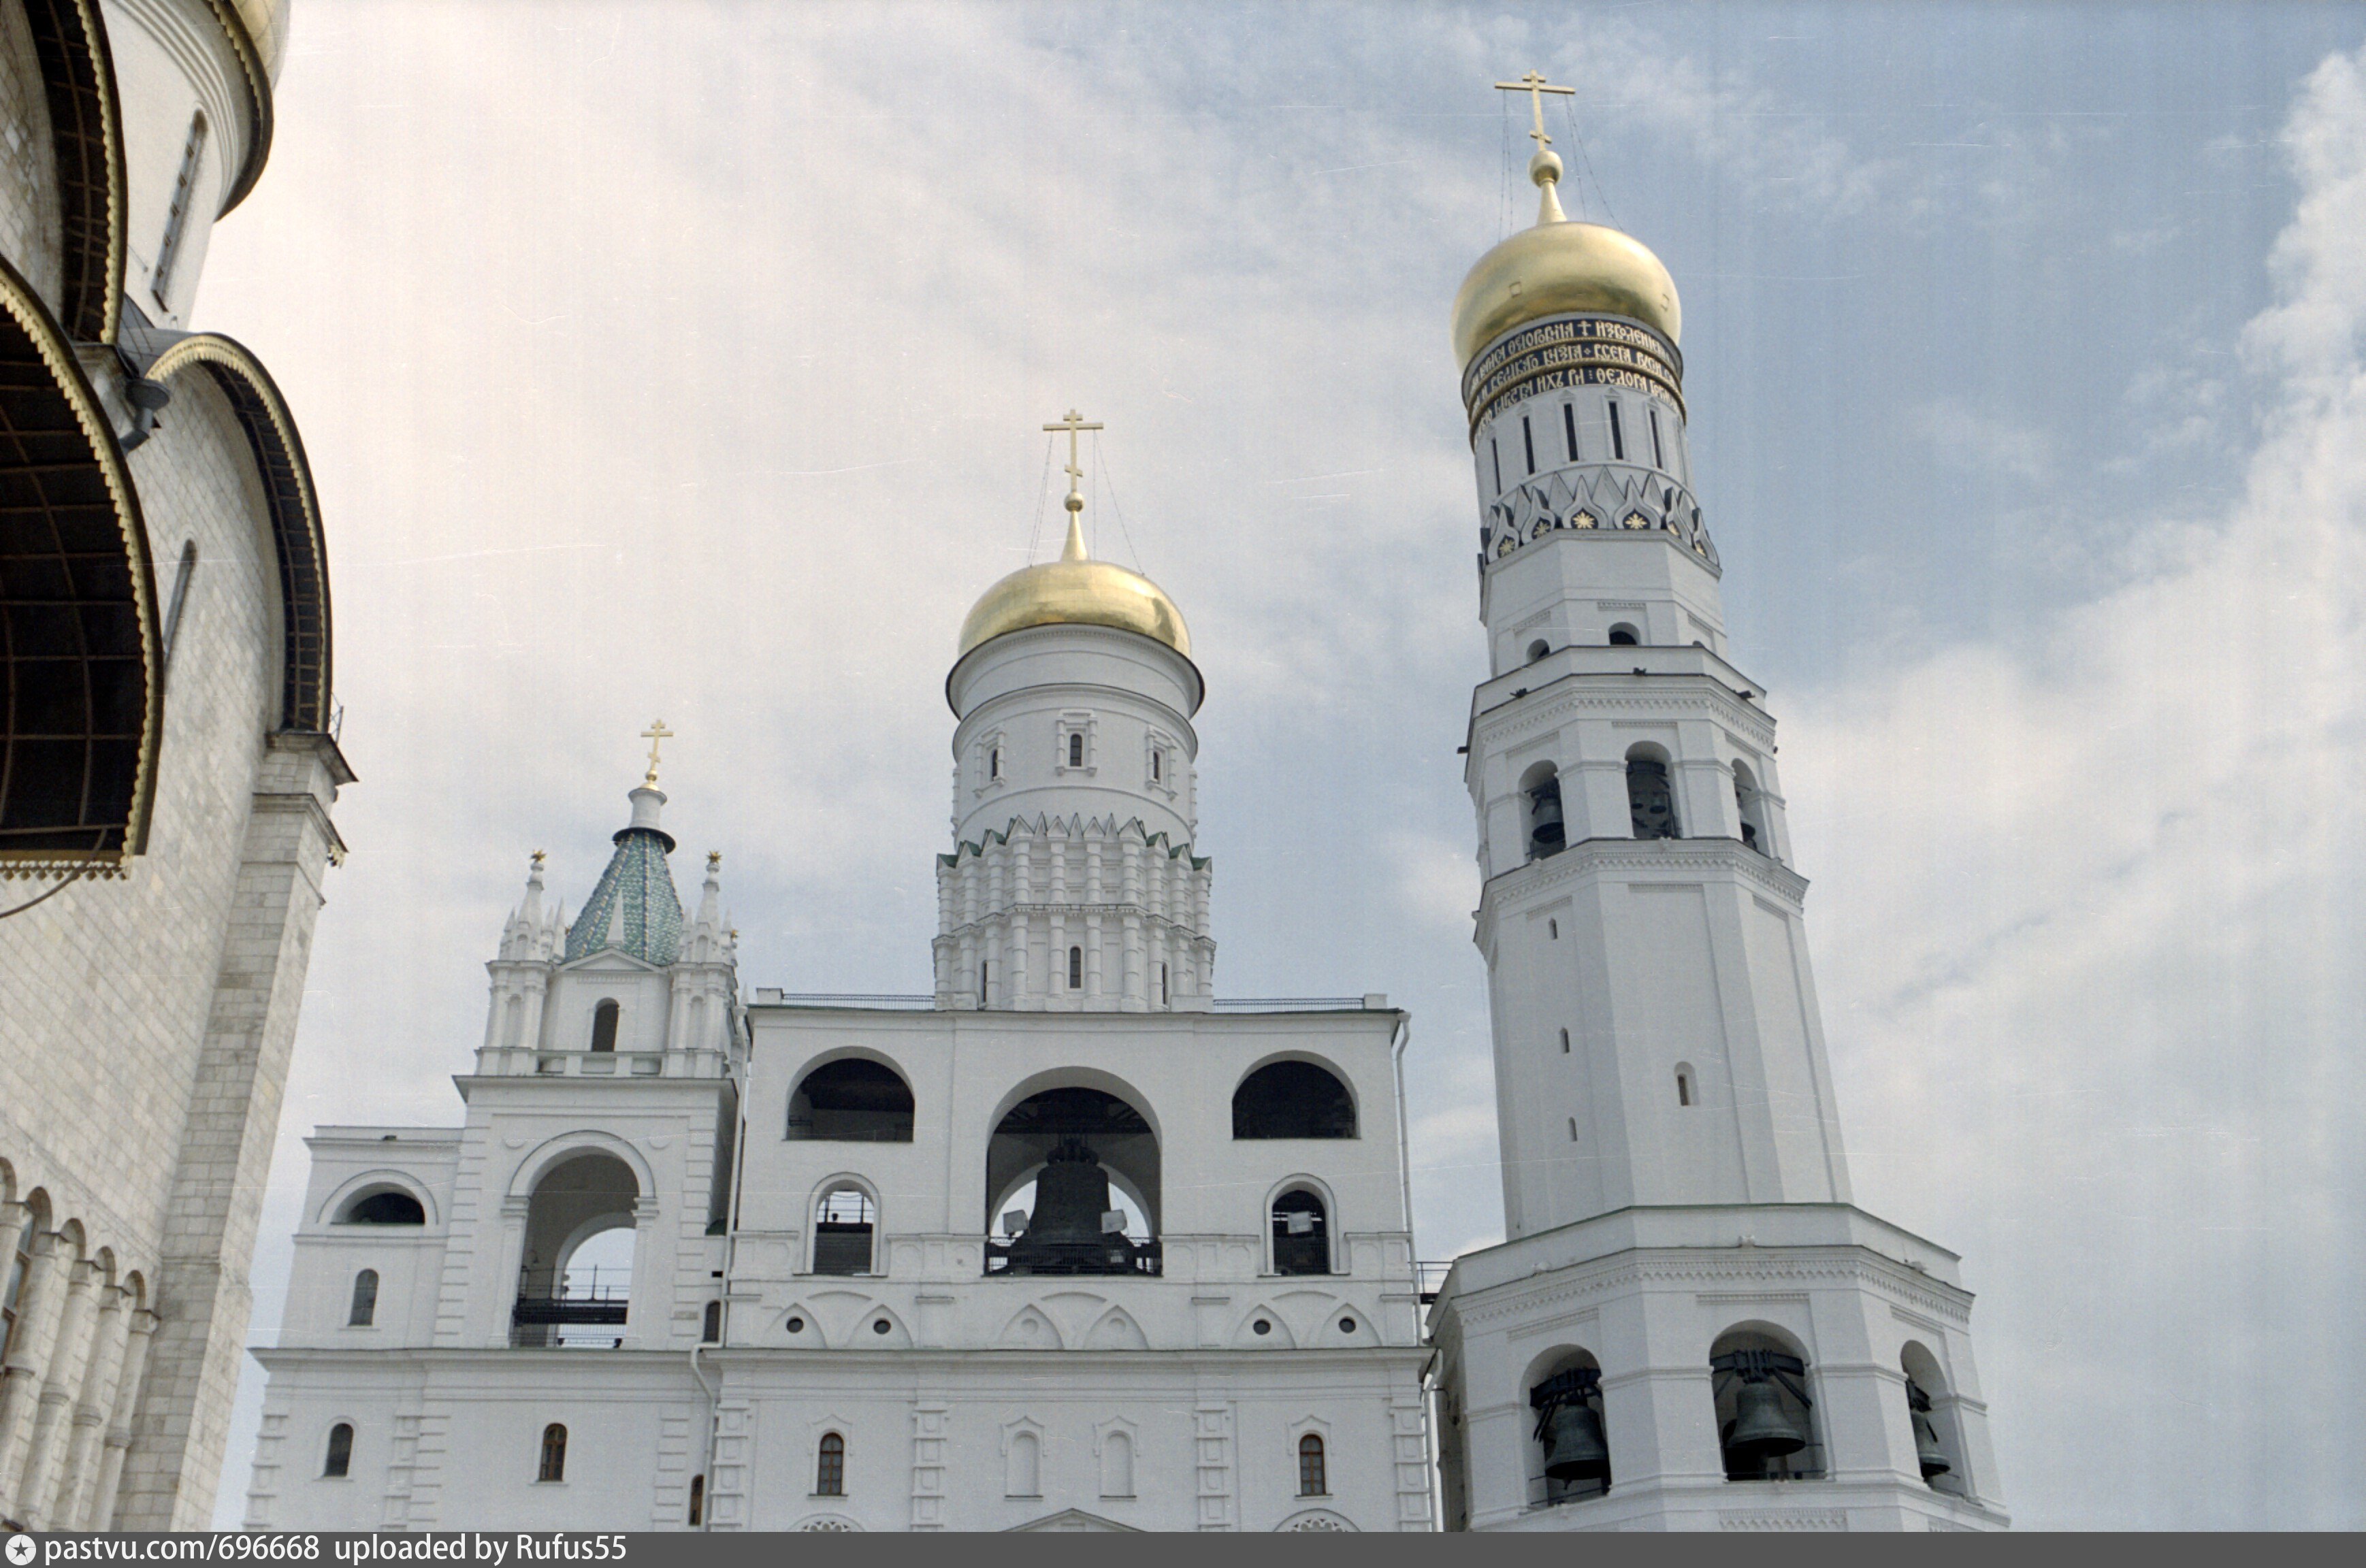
<point x="1072" y="423"/>
<point x="657" y="735"/>
<point x="1545" y="167"/>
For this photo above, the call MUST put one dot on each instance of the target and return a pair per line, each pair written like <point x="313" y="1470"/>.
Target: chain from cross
<point x="1073" y="422"/>
<point x="657" y="735"/>
<point x="1536" y="87"/>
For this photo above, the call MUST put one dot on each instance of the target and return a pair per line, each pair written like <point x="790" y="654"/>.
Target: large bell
<point x="1927" y="1452"/>
<point x="1762" y="1429"/>
<point x="1065" y="1235"/>
<point x="1573" y="1447"/>
<point x="1547" y="832"/>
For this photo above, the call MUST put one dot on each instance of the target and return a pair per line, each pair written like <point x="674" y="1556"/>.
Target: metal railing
<point x="1429" y="1279"/>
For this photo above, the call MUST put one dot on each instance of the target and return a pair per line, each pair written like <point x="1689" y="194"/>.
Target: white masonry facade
<point x="167" y="769"/>
<point x="1689" y="1326"/>
<point x="1065" y="1245"/>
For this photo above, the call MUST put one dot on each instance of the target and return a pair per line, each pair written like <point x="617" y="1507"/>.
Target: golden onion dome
<point x="267" y="24"/>
<point x="1560" y="268"/>
<point x="1076" y="590"/>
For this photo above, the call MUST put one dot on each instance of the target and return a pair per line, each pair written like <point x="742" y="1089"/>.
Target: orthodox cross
<point x="1072" y="425"/>
<point x="1536" y="87"/>
<point x="657" y="734"/>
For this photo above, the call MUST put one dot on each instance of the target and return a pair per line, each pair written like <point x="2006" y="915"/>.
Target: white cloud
<point x="2090" y="918"/>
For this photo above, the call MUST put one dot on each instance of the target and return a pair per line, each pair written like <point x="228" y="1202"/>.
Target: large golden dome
<point x="1076" y="590"/>
<point x="1558" y="269"/>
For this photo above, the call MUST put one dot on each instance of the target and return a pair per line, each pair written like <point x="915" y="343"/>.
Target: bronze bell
<point x="1072" y="1192"/>
<point x="1927" y="1452"/>
<point x="1762" y="1429"/>
<point x="1573" y="1447"/>
<point x="1547" y="831"/>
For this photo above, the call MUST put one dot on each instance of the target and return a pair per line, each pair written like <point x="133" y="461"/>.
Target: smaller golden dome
<point x="1076" y="590"/>
<point x="1560" y="268"/>
<point x="267" y="24"/>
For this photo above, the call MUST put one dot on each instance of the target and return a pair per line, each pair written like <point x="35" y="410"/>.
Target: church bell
<point x="1065" y="1234"/>
<point x="1927" y="1452"/>
<point x="1575" y="1449"/>
<point x="1762" y="1429"/>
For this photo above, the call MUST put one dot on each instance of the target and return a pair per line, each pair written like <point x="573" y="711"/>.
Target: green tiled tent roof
<point x="634" y="910"/>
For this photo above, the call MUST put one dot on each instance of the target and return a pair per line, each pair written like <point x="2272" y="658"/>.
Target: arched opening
<point x="1301" y="1233"/>
<point x="710" y="1330"/>
<point x="1084" y="1151"/>
<point x="1750" y="809"/>
<point x="1765" y="1411"/>
<point x="1569" y="1447"/>
<point x="1293" y="1099"/>
<point x="852" y="1100"/>
<point x="1537" y="649"/>
<point x="830" y="1466"/>
<point x="383" y="1206"/>
<point x="575" y="1282"/>
<point x="697" y="1501"/>
<point x="1075" y="969"/>
<point x="1650" y="797"/>
<point x="994" y="764"/>
<point x="554" y="1453"/>
<point x="1541" y="827"/>
<point x="1687" y="1085"/>
<point x="603" y="1025"/>
<point x="1314" y="1476"/>
<point x="363" y="1313"/>
<point x="20" y="1264"/>
<point x="338" y="1462"/>
<point x="1077" y="749"/>
<point x="846" y="1225"/>
<point x="1938" y="1453"/>
<point x="1625" y="636"/>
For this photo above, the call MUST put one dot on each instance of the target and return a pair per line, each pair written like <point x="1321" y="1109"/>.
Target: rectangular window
<point x="1568" y="428"/>
<point x="1659" y="457"/>
<point x="1617" y="437"/>
<point x="1496" y="453"/>
<point x="176" y="218"/>
<point x="1529" y="439"/>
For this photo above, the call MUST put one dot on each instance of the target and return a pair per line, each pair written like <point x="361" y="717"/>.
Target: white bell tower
<point x="1690" y="1325"/>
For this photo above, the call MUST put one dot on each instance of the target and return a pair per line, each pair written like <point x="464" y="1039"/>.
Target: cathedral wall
<point x="172" y="62"/>
<point x="105" y="990"/>
<point x="29" y="212"/>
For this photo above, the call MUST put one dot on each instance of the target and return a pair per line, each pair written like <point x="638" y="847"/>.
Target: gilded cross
<point x="657" y="735"/>
<point x="1072" y="425"/>
<point x="1536" y="87"/>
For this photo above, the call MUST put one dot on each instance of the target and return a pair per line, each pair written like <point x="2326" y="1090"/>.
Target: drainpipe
<point x="730" y="1270"/>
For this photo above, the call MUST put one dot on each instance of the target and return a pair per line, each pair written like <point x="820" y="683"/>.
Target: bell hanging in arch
<point x="1927" y="1452"/>
<point x="1575" y="1449"/>
<point x="1762" y="1429"/>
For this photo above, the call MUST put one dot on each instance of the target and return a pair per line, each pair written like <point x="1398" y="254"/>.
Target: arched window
<point x="711" y="1331"/>
<point x="1569" y="1453"/>
<point x="697" y="1501"/>
<point x="603" y="1026"/>
<point x="176" y="215"/>
<point x="1765" y="1415"/>
<point x="994" y="764"/>
<point x="1750" y="809"/>
<point x="1537" y="649"/>
<point x="1312" y="1481"/>
<point x="1542" y="828"/>
<point x="364" y="1307"/>
<point x="554" y="1453"/>
<point x="1076" y="749"/>
<point x="1117" y="1465"/>
<point x="1301" y="1234"/>
<point x="1293" y="1099"/>
<point x="339" y="1463"/>
<point x="19" y="1264"/>
<point x="1624" y="636"/>
<point x="830" y="1466"/>
<point x="844" y="1220"/>
<point x="1023" y="1467"/>
<point x="1651" y="800"/>
<point x="852" y="1100"/>
<point x="386" y="1207"/>
<point x="1075" y="969"/>
<point x="575" y="1269"/>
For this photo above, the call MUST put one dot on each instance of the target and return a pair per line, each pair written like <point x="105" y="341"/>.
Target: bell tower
<point x="1690" y="1323"/>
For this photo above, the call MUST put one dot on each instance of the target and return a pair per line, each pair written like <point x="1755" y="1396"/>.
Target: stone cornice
<point x="1575" y="696"/>
<point x="1658" y="860"/>
<point x="1773" y="1270"/>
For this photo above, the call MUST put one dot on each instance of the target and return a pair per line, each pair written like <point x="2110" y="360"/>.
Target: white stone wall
<point x="29" y="167"/>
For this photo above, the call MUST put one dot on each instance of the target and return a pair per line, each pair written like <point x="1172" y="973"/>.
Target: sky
<point x="689" y="360"/>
